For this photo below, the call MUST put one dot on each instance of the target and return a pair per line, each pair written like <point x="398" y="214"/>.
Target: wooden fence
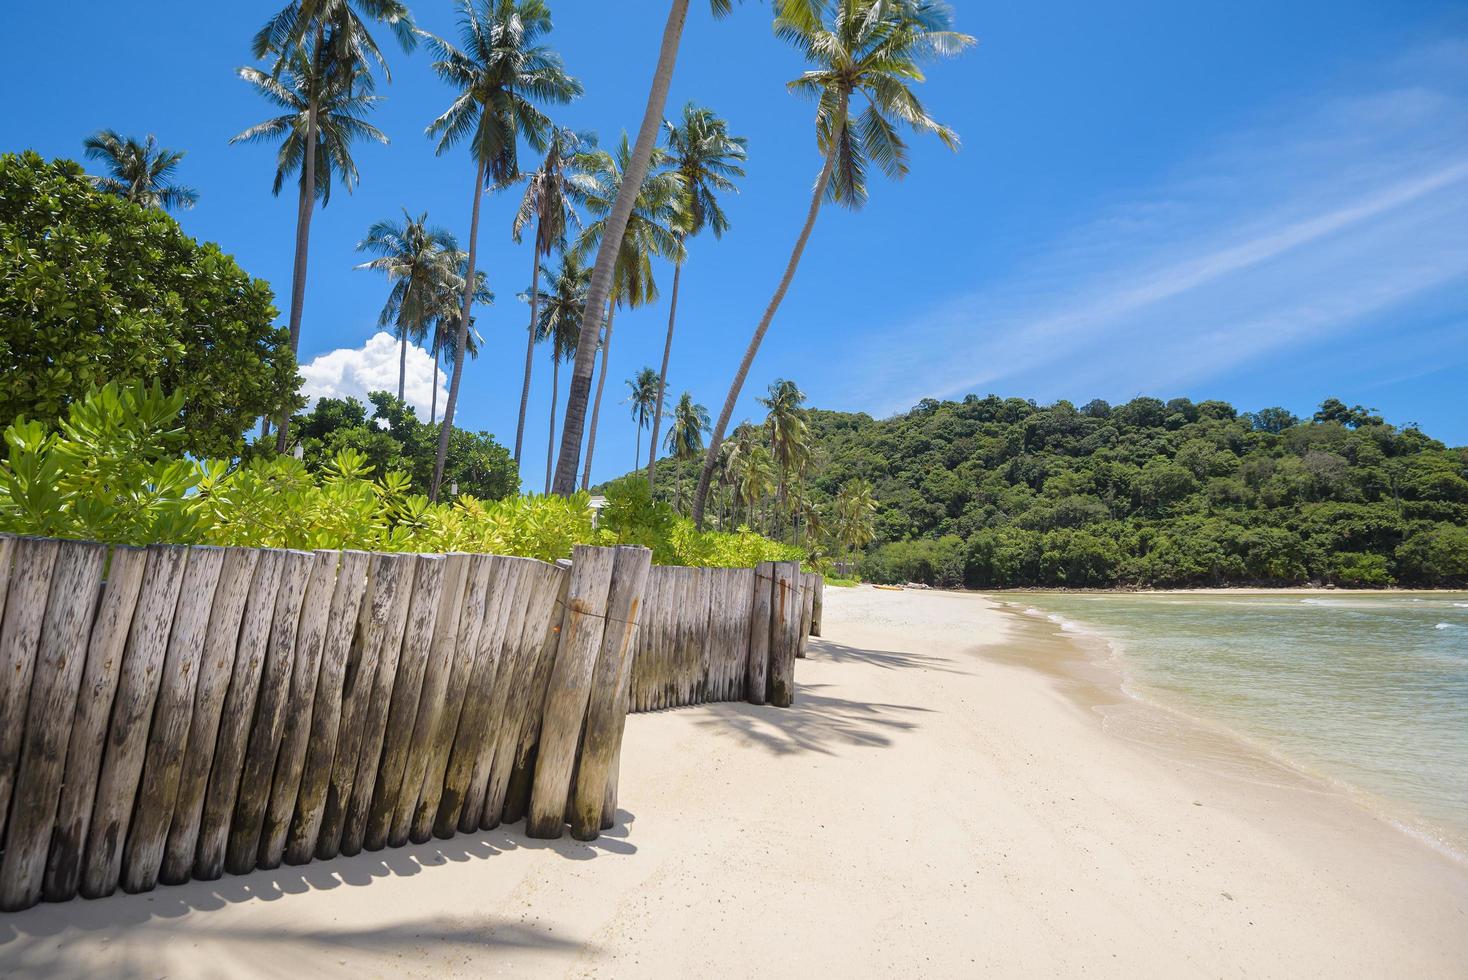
<point x="172" y="712"/>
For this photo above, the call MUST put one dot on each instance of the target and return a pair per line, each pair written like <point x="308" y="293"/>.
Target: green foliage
<point x="95" y="288"/>
<point x="992" y="492"/>
<point x="632" y="516"/>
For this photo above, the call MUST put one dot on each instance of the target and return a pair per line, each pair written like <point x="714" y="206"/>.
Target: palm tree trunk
<point x="657" y="415"/>
<point x="600" y="289"/>
<point x="601" y="383"/>
<point x="453" y="402"/>
<point x="402" y="357"/>
<point x="530" y="341"/>
<point x="764" y="324"/>
<point x="303" y="228"/>
<point x="637" y="454"/>
<point x="550" y="442"/>
<point x="433" y="399"/>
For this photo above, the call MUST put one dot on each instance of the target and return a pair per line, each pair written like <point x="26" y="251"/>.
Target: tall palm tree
<point x="445" y="315"/>
<point x="500" y="72"/>
<point x="642" y="395"/>
<point x="328" y="46"/>
<point x="685" y="435"/>
<point x="561" y="314"/>
<point x="417" y="259"/>
<point x="551" y="195"/>
<point x="705" y="159"/>
<point x="852" y="513"/>
<point x="865" y="48"/>
<point x="606" y="255"/>
<point x="139" y="172"/>
<point x="789" y="435"/>
<point x="649" y="232"/>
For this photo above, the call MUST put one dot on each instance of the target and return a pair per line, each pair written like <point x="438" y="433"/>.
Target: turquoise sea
<point x="1368" y="691"/>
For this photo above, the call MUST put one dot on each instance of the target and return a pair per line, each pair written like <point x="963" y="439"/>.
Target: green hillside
<point x="991" y="492"/>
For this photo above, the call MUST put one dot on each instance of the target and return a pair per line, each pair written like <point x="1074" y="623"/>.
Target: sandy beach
<point x="957" y="792"/>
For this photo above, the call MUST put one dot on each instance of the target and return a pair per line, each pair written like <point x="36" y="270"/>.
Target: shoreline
<point x="1097" y="678"/>
<point x="932" y="803"/>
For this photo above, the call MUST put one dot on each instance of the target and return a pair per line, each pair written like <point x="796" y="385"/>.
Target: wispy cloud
<point x="1313" y="224"/>
<point x="354" y="372"/>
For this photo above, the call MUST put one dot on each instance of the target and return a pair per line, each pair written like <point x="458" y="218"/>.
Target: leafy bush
<point x="93" y="287"/>
<point x="631" y="516"/>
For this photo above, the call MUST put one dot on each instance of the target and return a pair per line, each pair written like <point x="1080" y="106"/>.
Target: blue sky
<point x="1260" y="202"/>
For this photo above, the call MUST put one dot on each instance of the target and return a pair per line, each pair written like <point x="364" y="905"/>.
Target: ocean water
<point x="1368" y="691"/>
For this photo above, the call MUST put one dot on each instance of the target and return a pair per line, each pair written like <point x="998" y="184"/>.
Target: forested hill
<point x="1003" y="492"/>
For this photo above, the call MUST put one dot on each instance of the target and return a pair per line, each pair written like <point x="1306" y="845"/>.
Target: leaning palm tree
<point x="139" y="172"/>
<point x="500" y="72"/>
<point x="328" y="47"/>
<point x="865" y="48"/>
<point x="445" y="315"/>
<point x="561" y="313"/>
<point x="642" y="395"/>
<point x="705" y="159"/>
<point x="606" y="256"/>
<point x="417" y="259"/>
<point x="685" y="435"/>
<point x="650" y="231"/>
<point x="551" y="195"/>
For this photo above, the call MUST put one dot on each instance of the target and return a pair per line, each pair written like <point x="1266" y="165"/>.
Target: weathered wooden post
<point x="808" y="582"/>
<point x="606" y="709"/>
<point x="784" y="625"/>
<point x="30" y="582"/>
<point x="759" y="632"/>
<point x="817" y="602"/>
<point x="569" y="688"/>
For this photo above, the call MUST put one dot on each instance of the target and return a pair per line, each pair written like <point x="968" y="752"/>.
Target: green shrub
<point x="1356" y="568"/>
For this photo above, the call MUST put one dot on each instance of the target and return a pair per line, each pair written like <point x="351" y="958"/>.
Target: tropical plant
<point x="789" y="435"/>
<point x="561" y="311"/>
<point x="551" y="195"/>
<point x="139" y="172"/>
<point x="446" y="332"/>
<point x="642" y="395"/>
<point x="94" y="288"/>
<point x="418" y="260"/>
<point x="706" y="160"/>
<point x="685" y="435"/>
<point x="325" y="49"/>
<point x="500" y="72"/>
<point x="851" y="518"/>
<point x="609" y="250"/>
<point x="866" y="48"/>
<point x="649" y="232"/>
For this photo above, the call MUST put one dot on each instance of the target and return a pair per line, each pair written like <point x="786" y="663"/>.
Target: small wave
<point x="1445" y="626"/>
<point x="1461" y="605"/>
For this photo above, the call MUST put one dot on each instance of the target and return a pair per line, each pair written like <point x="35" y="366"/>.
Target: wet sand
<point x="951" y="796"/>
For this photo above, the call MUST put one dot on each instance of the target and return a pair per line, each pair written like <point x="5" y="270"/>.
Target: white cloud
<point x="352" y="372"/>
<point x="1323" y="220"/>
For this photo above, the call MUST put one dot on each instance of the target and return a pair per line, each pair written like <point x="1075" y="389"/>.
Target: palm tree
<point x="649" y="232"/>
<point x="445" y="315"/>
<point x="561" y="313"/>
<point x="642" y="395"/>
<point x="789" y="435"/>
<point x="139" y="172"/>
<point x="869" y="48"/>
<point x="611" y="245"/>
<point x="852" y="515"/>
<point x="705" y="159"/>
<point x="500" y="72"/>
<point x="417" y="259"/>
<point x="685" y="435"/>
<point x="551" y="193"/>
<point x="327" y="46"/>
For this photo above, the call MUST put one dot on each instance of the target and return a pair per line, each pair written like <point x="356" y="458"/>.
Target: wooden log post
<point x="743" y="592"/>
<point x="524" y="757"/>
<point x="703" y="635"/>
<point x="20" y="637"/>
<point x="606" y="709"/>
<point x="132" y="713"/>
<point x="75" y="582"/>
<point x="817" y="604"/>
<point x="569" y="689"/>
<point x="402" y="714"/>
<point x="379" y="700"/>
<point x="235" y="718"/>
<point x="379" y="636"/>
<point x="89" y="725"/>
<point x="215" y="666"/>
<point x="760" y="622"/>
<point x="326" y="712"/>
<point x="784" y="624"/>
<point x="461" y="667"/>
<point x="807" y="604"/>
<point x="272" y="693"/>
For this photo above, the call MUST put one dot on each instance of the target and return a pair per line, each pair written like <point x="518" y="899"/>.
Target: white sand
<point x="923" y="810"/>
